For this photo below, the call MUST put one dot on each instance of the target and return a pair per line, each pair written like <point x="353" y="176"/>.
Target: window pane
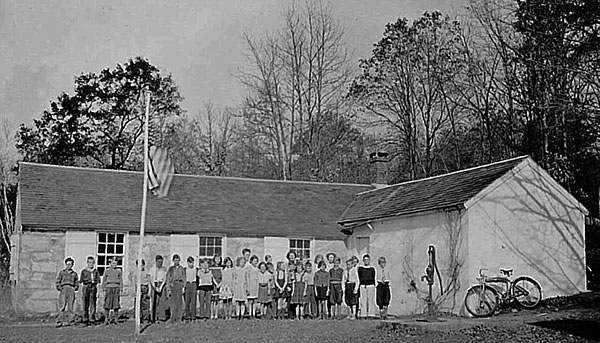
<point x="202" y="251"/>
<point x="307" y="244"/>
<point x="101" y="260"/>
<point x="202" y="241"/>
<point x="120" y="237"/>
<point x="210" y="251"/>
<point x="292" y="243"/>
<point x="119" y="249"/>
<point x="218" y="251"/>
<point x="218" y="241"/>
<point x="101" y="271"/>
<point x="308" y="254"/>
<point x="210" y="241"/>
<point x="101" y="248"/>
<point x="111" y="238"/>
<point x="110" y="249"/>
<point x="102" y="237"/>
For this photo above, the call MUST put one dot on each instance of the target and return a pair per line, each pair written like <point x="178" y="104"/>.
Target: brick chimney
<point x="380" y="161"/>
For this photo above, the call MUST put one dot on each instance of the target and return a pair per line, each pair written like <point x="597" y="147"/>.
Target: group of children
<point x="222" y="288"/>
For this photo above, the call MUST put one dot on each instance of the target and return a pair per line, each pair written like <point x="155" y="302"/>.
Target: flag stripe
<point x="160" y="170"/>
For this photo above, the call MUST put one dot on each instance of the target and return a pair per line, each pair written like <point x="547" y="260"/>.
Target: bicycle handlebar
<point x="481" y="271"/>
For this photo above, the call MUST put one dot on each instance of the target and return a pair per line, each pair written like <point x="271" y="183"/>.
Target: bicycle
<point x="485" y="298"/>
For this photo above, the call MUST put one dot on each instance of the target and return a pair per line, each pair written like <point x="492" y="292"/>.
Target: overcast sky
<point x="44" y="44"/>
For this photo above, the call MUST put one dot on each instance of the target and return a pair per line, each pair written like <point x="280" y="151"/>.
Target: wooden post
<point x="138" y="286"/>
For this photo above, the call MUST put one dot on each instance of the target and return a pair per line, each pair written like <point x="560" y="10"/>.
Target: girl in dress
<point x="217" y="271"/>
<point x="225" y="291"/>
<point x="265" y="285"/>
<point x="252" y="276"/>
<point x="281" y="289"/>
<point x="240" y="286"/>
<point x="299" y="291"/>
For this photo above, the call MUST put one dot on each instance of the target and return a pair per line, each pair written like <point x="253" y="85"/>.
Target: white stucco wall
<point x="404" y="242"/>
<point x="529" y="223"/>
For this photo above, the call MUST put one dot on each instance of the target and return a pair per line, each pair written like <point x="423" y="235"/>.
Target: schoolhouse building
<point x="506" y="214"/>
<point x="69" y="211"/>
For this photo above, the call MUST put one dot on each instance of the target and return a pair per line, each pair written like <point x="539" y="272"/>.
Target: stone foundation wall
<point x="41" y="258"/>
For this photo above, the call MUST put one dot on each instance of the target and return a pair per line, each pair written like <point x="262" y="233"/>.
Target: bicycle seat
<point x="507" y="272"/>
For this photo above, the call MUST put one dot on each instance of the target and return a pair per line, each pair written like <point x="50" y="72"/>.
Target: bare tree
<point x="296" y="80"/>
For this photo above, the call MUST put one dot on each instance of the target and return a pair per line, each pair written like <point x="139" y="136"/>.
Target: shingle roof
<point x="55" y="197"/>
<point x="439" y="192"/>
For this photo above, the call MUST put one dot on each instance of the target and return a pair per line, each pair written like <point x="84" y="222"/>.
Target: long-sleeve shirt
<point x="113" y="278"/>
<point x="367" y="275"/>
<point x="175" y="274"/>
<point x="322" y="279"/>
<point x="90" y="276"/>
<point x="67" y="277"/>
<point x="336" y="275"/>
<point x="383" y="275"/>
<point x="351" y="276"/>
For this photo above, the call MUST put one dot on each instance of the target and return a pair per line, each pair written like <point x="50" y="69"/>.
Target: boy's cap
<point x="159" y="257"/>
<point x="69" y="258"/>
<point x="176" y="257"/>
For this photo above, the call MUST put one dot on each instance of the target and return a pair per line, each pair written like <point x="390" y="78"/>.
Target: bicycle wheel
<point x="526" y="291"/>
<point x="481" y="301"/>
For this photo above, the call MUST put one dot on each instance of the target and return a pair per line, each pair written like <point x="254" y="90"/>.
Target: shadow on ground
<point x="583" y="328"/>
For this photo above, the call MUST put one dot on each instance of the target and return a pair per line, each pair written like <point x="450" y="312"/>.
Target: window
<point x="110" y="245"/>
<point x="210" y="246"/>
<point x="302" y="247"/>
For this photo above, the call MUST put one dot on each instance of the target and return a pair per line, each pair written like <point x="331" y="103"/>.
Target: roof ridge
<point x="197" y="176"/>
<point x="447" y="174"/>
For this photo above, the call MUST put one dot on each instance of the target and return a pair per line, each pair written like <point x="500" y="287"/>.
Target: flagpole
<point x="138" y="289"/>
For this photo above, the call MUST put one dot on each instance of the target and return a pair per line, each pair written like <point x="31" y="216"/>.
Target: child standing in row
<point x="366" y="279"/>
<point x="206" y="283"/>
<point x="226" y="289"/>
<point x="265" y="285"/>
<point x="298" y="299"/>
<point x="311" y="302"/>
<point x="281" y="285"/>
<point x="191" y="288"/>
<point x="67" y="283"/>
<point x="322" y="280"/>
<point x="216" y="269"/>
<point x="351" y="289"/>
<point x="383" y="288"/>
<point x="90" y="278"/>
<point x="252" y="285"/>
<point x="240" y="283"/>
<point x="113" y="286"/>
<point x="336" y="277"/>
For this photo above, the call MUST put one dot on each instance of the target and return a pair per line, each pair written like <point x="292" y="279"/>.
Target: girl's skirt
<point x="280" y="294"/>
<point x="263" y="294"/>
<point x="351" y="298"/>
<point x="298" y="294"/>
<point x="225" y="292"/>
<point x="239" y="292"/>
<point x="252" y="290"/>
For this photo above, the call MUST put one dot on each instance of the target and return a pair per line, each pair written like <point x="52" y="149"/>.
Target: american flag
<point x="160" y="168"/>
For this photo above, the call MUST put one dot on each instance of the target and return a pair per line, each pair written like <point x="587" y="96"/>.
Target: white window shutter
<point x="277" y="247"/>
<point x="184" y="246"/>
<point x="79" y="245"/>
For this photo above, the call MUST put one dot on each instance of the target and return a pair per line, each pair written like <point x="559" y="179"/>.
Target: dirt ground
<point x="574" y="319"/>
